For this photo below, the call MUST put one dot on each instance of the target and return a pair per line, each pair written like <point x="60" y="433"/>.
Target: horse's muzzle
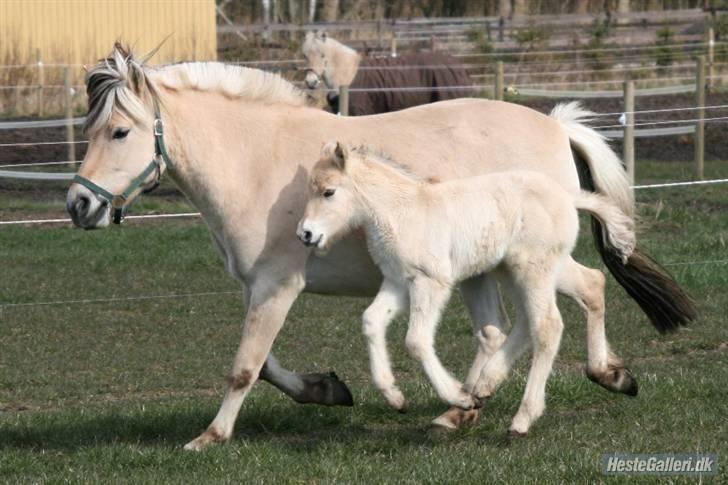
<point x="87" y="211"/>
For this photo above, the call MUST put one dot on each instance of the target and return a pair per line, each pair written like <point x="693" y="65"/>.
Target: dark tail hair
<point x="664" y="302"/>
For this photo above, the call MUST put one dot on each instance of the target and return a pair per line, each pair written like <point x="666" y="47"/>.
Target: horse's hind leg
<point x="586" y="287"/>
<point x="490" y="327"/>
<point x="546" y="328"/>
<point x="388" y="304"/>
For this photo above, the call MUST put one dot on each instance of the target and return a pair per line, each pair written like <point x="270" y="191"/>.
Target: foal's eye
<point x="119" y="133"/>
<point x="329" y="192"/>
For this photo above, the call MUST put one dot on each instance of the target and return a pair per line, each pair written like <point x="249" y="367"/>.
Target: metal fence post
<point x="628" y="145"/>
<point x="393" y="46"/>
<point x="68" y="97"/>
<point x="700" y="125"/>
<point x="498" y="89"/>
<point x="344" y="100"/>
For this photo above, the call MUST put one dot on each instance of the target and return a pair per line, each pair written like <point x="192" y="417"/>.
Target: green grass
<point x="101" y="392"/>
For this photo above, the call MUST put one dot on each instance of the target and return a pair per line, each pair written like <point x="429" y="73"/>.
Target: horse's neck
<point x="387" y="199"/>
<point x="345" y="62"/>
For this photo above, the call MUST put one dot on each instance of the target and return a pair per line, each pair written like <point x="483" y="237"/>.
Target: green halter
<point x="119" y="202"/>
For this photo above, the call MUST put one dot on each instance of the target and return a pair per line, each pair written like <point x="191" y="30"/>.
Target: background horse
<point x="433" y="76"/>
<point x="242" y="142"/>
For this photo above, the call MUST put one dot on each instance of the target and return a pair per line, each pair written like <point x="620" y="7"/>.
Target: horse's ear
<point x="341" y="155"/>
<point x="336" y="152"/>
<point x="310" y="35"/>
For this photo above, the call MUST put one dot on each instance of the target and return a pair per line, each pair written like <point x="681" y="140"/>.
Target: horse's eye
<point x="119" y="133"/>
<point x="329" y="192"/>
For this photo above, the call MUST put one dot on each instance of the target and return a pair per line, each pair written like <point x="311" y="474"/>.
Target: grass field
<point x="110" y="391"/>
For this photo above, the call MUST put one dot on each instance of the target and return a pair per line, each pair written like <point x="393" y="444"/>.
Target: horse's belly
<point x="346" y="270"/>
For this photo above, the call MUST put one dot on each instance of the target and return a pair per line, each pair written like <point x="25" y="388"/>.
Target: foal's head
<point x="332" y="210"/>
<point x="121" y="136"/>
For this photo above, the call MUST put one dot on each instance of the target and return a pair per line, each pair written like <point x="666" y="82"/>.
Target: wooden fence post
<point x="393" y="46"/>
<point x="498" y="89"/>
<point x="344" y="100"/>
<point x="68" y="96"/>
<point x="710" y="39"/>
<point x="501" y="29"/>
<point x="628" y="145"/>
<point x="700" y="125"/>
<point x="41" y="82"/>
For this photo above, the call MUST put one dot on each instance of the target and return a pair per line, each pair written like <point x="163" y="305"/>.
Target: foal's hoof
<point x="616" y="379"/>
<point x="205" y="440"/>
<point x="455" y="417"/>
<point x="325" y="389"/>
<point x="514" y="434"/>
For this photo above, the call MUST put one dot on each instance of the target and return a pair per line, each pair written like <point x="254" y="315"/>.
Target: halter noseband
<point x="119" y="202"/>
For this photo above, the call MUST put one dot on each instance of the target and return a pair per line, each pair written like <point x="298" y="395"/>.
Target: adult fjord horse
<point x="388" y="83"/>
<point x="240" y="142"/>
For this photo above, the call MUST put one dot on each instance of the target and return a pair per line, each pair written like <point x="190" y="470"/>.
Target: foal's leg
<point x="427" y="300"/>
<point x="269" y="303"/>
<point x="390" y="302"/>
<point x="586" y="287"/>
<point x="546" y="328"/>
<point x="490" y="328"/>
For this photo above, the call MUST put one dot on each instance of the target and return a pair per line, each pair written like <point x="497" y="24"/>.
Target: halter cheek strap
<point x="119" y="202"/>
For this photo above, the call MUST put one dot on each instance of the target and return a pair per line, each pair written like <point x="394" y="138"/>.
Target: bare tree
<point x="311" y="11"/>
<point x="330" y="10"/>
<point x="504" y="8"/>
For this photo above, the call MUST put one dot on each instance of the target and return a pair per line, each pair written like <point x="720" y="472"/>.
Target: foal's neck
<point x="388" y="197"/>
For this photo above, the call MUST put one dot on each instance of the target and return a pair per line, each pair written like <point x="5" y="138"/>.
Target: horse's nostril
<point x="83" y="203"/>
<point x="307" y="235"/>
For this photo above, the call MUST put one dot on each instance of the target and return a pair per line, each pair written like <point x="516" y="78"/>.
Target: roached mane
<point x="123" y="82"/>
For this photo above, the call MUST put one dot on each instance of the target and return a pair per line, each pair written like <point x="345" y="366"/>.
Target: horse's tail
<point x="618" y="227"/>
<point x="666" y="304"/>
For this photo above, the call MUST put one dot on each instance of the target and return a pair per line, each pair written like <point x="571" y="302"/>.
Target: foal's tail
<point x="600" y="170"/>
<point x="618" y="227"/>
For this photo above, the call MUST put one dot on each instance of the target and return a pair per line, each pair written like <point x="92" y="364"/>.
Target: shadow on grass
<point x="299" y="429"/>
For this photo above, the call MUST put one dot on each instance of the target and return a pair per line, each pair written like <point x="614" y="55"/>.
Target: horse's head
<point x="331" y="211"/>
<point x="318" y="66"/>
<point x="121" y="125"/>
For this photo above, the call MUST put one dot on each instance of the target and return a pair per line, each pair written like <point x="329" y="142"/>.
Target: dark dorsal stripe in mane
<point x="117" y="81"/>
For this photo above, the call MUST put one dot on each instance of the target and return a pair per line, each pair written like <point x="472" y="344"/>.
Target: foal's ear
<point x="341" y="155"/>
<point x="337" y="152"/>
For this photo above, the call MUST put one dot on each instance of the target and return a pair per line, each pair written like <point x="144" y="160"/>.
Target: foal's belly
<point x="347" y="270"/>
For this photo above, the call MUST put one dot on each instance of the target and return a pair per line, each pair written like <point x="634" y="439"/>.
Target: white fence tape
<point x="15" y="125"/>
<point x="650" y="132"/>
<point x="14" y="174"/>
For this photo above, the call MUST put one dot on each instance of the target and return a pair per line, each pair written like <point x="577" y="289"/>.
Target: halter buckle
<point x="158" y="127"/>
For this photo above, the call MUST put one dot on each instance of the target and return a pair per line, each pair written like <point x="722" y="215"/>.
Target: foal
<point x="426" y="238"/>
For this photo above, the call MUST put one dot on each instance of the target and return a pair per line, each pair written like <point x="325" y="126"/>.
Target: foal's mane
<point x="126" y="83"/>
<point x="378" y="156"/>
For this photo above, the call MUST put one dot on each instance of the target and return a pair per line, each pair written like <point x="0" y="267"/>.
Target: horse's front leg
<point x="317" y="388"/>
<point x="427" y="301"/>
<point x="388" y="304"/>
<point x="269" y="302"/>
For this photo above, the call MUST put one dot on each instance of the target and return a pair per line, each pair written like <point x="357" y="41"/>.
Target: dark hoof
<point x="513" y="434"/>
<point x="480" y="401"/>
<point x="616" y="379"/>
<point x="325" y="389"/>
